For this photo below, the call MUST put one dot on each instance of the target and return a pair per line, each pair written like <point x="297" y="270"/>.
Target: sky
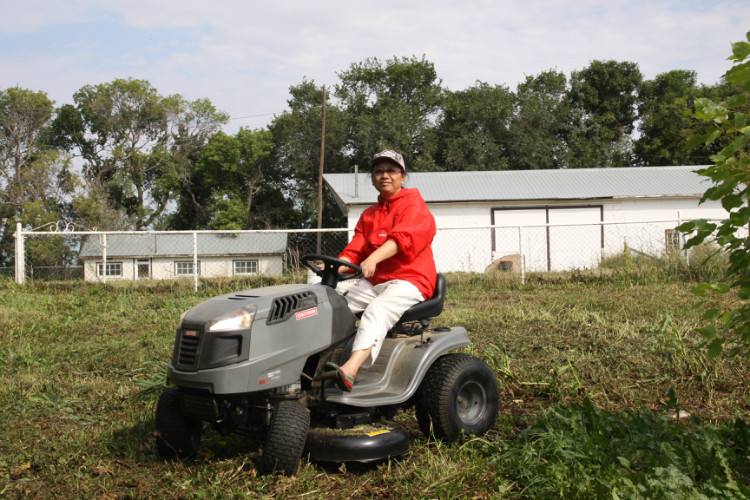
<point x="244" y="55"/>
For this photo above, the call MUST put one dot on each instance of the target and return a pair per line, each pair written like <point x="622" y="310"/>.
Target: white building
<point x="168" y="256"/>
<point x="596" y="211"/>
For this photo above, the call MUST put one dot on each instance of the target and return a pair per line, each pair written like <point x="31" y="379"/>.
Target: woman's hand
<point x="345" y="269"/>
<point x="368" y="267"/>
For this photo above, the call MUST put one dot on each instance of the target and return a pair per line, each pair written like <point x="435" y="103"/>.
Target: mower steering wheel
<point x="330" y="274"/>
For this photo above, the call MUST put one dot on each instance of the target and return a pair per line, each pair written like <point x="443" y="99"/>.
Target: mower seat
<point x="429" y="308"/>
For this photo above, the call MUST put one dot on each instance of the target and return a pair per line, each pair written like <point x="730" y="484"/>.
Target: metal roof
<point x="558" y="184"/>
<point x="177" y="245"/>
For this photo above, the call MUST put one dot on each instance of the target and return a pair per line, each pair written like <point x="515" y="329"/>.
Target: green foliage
<point x="581" y="452"/>
<point x="603" y="100"/>
<point x="35" y="178"/>
<point x="473" y="133"/>
<point x="235" y="170"/>
<point x="667" y="121"/>
<point x="134" y="143"/>
<point x="729" y="121"/>
<point x="296" y="154"/>
<point x="391" y="104"/>
<point x="540" y="123"/>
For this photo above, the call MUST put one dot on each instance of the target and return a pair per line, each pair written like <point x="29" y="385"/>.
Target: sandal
<point x="343" y="381"/>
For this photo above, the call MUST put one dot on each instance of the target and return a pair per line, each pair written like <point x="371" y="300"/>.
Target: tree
<point x="729" y="120"/>
<point x="24" y="114"/>
<point x="391" y="105"/>
<point x="667" y="123"/>
<point x="540" y="123"/>
<point x="34" y="178"/>
<point x="603" y="100"/>
<point x="136" y="145"/>
<point x="473" y="132"/>
<point x="237" y="169"/>
<point x="296" y="152"/>
<point x="190" y="126"/>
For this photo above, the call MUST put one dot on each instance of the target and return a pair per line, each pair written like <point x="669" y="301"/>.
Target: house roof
<point x="558" y="184"/>
<point x="163" y="245"/>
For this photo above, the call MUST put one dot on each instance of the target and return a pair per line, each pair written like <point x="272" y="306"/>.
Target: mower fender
<point x="401" y="365"/>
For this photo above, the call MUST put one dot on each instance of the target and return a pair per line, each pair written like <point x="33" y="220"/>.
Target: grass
<point x="589" y="369"/>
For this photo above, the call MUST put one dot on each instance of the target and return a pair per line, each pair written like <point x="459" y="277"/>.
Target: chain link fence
<point x="195" y="255"/>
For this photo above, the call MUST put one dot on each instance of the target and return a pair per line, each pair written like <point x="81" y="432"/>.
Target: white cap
<point x="389" y="155"/>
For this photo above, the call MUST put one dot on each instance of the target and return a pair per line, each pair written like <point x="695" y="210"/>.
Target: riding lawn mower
<point x="253" y="363"/>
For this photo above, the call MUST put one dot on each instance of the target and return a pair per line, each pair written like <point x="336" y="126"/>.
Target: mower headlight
<point x="238" y="320"/>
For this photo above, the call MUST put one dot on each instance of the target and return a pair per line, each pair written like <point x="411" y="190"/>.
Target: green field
<point x="590" y="370"/>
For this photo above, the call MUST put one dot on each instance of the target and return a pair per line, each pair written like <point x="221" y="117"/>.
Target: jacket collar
<point x="402" y="193"/>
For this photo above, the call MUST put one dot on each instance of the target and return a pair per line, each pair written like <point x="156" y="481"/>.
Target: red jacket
<point x="405" y="219"/>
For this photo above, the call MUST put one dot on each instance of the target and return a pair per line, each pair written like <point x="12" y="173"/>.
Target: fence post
<point x="20" y="256"/>
<point x="520" y="255"/>
<point x="681" y="239"/>
<point x="104" y="258"/>
<point x="195" y="261"/>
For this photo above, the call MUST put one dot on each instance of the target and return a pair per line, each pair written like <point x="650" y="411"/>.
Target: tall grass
<point x="702" y="263"/>
<point x="586" y="369"/>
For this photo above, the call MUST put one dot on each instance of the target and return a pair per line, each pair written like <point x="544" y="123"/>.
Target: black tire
<point x="176" y="435"/>
<point x="285" y="439"/>
<point x="458" y="395"/>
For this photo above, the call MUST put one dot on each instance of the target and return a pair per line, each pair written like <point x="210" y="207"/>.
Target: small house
<point x="160" y="256"/>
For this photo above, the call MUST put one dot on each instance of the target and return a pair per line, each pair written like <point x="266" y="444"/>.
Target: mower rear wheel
<point x="177" y="435"/>
<point x="285" y="439"/>
<point x="458" y="395"/>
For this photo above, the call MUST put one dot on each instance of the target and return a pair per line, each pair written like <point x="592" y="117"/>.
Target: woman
<point x="392" y="244"/>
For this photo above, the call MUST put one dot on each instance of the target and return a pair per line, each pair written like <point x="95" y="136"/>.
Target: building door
<point x="578" y="243"/>
<point x="533" y="243"/>
<point x="143" y="267"/>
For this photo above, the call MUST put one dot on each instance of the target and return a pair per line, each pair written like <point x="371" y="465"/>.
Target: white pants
<point x="382" y="304"/>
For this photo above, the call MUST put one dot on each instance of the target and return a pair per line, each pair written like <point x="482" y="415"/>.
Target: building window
<point x="185" y="268"/>
<point x="113" y="269"/>
<point x="245" y="266"/>
<point x="672" y="240"/>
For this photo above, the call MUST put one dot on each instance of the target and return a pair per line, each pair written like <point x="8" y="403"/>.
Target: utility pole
<point x="320" y="173"/>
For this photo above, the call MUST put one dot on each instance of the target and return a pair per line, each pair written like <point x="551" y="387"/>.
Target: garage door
<point x="506" y="238"/>
<point x="578" y="246"/>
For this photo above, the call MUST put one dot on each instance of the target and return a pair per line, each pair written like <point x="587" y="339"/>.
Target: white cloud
<point x="248" y="53"/>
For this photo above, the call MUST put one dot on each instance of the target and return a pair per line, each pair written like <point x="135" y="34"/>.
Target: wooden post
<point x="320" y="173"/>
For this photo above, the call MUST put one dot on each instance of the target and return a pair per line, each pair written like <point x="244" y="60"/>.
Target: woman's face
<point x="387" y="178"/>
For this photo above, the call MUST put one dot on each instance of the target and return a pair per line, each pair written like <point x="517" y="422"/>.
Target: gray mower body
<point x="291" y="324"/>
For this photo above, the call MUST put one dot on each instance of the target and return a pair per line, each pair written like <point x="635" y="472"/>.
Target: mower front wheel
<point x="177" y="435"/>
<point x="285" y="439"/>
<point x="458" y="395"/>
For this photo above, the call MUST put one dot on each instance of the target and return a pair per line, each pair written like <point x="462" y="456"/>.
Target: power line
<point x="254" y="116"/>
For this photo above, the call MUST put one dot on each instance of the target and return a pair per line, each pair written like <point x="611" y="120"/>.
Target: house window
<point x="185" y="268"/>
<point x="245" y="266"/>
<point x="672" y="240"/>
<point x="113" y="269"/>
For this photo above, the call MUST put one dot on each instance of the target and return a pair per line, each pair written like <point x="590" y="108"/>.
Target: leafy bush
<point x="730" y="175"/>
<point x="581" y="452"/>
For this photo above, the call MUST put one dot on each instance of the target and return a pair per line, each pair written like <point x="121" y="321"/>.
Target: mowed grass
<point x="590" y="370"/>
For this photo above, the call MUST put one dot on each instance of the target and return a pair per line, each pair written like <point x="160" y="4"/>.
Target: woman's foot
<point x="343" y="381"/>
